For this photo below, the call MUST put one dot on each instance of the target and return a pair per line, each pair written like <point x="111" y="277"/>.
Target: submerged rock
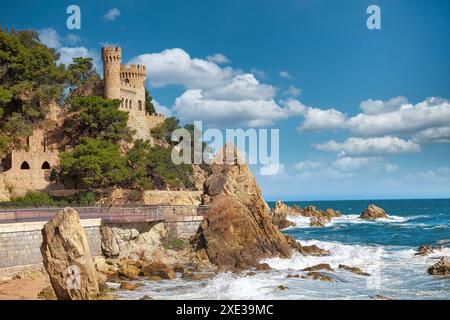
<point x="373" y="212"/>
<point x="263" y="267"/>
<point x="314" y="275"/>
<point x="441" y="268"/>
<point x="281" y="287"/>
<point x="353" y="270"/>
<point x="322" y="266"/>
<point x="319" y="221"/>
<point x="128" y="286"/>
<point x="237" y="231"/>
<point x="67" y="258"/>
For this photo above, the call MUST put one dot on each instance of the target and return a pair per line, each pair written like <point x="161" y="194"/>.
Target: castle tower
<point x="112" y="59"/>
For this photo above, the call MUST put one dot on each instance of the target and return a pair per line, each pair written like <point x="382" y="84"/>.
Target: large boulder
<point x="130" y="240"/>
<point x="237" y="231"/>
<point x="67" y="258"/>
<point x="441" y="268"/>
<point x="279" y="214"/>
<point x="373" y="212"/>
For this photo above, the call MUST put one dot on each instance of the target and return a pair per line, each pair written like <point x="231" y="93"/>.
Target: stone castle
<point x="29" y="169"/>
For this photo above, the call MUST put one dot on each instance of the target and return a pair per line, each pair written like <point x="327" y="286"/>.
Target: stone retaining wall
<point x="20" y="242"/>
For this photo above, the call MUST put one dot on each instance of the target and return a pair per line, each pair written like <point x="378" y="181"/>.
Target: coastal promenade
<point x="119" y="214"/>
<point x="21" y="238"/>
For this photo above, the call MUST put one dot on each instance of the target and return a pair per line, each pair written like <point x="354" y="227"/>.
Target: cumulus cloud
<point x="285" y="74"/>
<point x="161" y="109"/>
<point x="407" y="119"/>
<point x="318" y="120"/>
<point x="370" y="146"/>
<point x="52" y="39"/>
<point x="112" y="14"/>
<point x="292" y="91"/>
<point x="433" y="135"/>
<point x="379" y="106"/>
<point x="218" y="58"/>
<point x="223" y="96"/>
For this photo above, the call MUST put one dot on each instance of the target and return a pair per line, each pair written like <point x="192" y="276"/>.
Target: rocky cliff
<point x="238" y="230"/>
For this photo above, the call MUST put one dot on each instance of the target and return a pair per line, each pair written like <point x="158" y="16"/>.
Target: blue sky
<point x="362" y="113"/>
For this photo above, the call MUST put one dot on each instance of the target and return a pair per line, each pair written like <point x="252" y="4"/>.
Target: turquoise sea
<point x="385" y="249"/>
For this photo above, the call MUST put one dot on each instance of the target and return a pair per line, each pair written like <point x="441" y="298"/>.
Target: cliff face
<point x="238" y="230"/>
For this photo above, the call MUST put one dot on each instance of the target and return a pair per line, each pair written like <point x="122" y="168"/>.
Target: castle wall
<point x="30" y="169"/>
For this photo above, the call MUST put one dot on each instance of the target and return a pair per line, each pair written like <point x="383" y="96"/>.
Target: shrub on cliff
<point x="33" y="198"/>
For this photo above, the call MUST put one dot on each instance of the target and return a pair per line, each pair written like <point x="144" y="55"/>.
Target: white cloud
<point x="259" y="73"/>
<point x="218" y="58"/>
<point x="68" y="53"/>
<point x="112" y="14"/>
<point x="309" y="165"/>
<point x="407" y="119"/>
<point x="433" y="135"/>
<point x="440" y="175"/>
<point x="193" y="105"/>
<point x="349" y="164"/>
<point x="292" y="91"/>
<point x="52" y="39"/>
<point x="390" y="168"/>
<point x="379" y="106"/>
<point x="161" y="109"/>
<point x="369" y="147"/>
<point x="223" y="96"/>
<point x="49" y="37"/>
<point x="318" y="120"/>
<point x="285" y="74"/>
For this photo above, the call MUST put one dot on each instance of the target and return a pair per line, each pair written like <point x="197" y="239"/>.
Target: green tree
<point x="163" y="131"/>
<point x="81" y="70"/>
<point x="95" y="117"/>
<point x="94" y="163"/>
<point x="149" y="106"/>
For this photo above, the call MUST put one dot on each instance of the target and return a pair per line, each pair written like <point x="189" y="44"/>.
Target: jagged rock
<point x="354" y="270"/>
<point x="373" y="212"/>
<point x="311" y="250"/>
<point x="178" y="268"/>
<point x="281" y="287"/>
<point x="146" y="297"/>
<point x="102" y="266"/>
<point x="263" y="267"/>
<point x="279" y="215"/>
<point x="441" y="268"/>
<point x="322" y="266"/>
<point x="428" y="249"/>
<point x="128" y="286"/>
<point x="158" y="269"/>
<point x="126" y="240"/>
<point x="318" y="276"/>
<point x="129" y="269"/>
<point x="67" y="258"/>
<point x="237" y="231"/>
<point x="196" y="276"/>
<point x="319" y="221"/>
<point x="290" y="275"/>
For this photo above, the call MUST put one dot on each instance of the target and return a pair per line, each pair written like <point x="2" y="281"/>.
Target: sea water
<point x="384" y="248"/>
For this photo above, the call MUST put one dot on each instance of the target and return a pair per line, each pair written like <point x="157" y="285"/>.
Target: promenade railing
<point x="128" y="213"/>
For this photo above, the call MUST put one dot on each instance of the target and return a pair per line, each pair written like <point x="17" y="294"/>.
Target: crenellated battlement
<point x="111" y="55"/>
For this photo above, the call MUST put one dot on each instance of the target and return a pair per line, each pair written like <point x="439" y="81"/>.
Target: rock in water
<point x="442" y="268"/>
<point x="237" y="231"/>
<point x="279" y="215"/>
<point x="373" y="212"/>
<point x="67" y="259"/>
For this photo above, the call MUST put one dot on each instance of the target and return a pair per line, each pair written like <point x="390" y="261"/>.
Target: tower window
<point x="140" y="105"/>
<point x="45" y="166"/>
<point x="131" y="103"/>
<point x="24" y="166"/>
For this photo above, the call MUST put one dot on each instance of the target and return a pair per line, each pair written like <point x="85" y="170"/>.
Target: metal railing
<point x="128" y="213"/>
